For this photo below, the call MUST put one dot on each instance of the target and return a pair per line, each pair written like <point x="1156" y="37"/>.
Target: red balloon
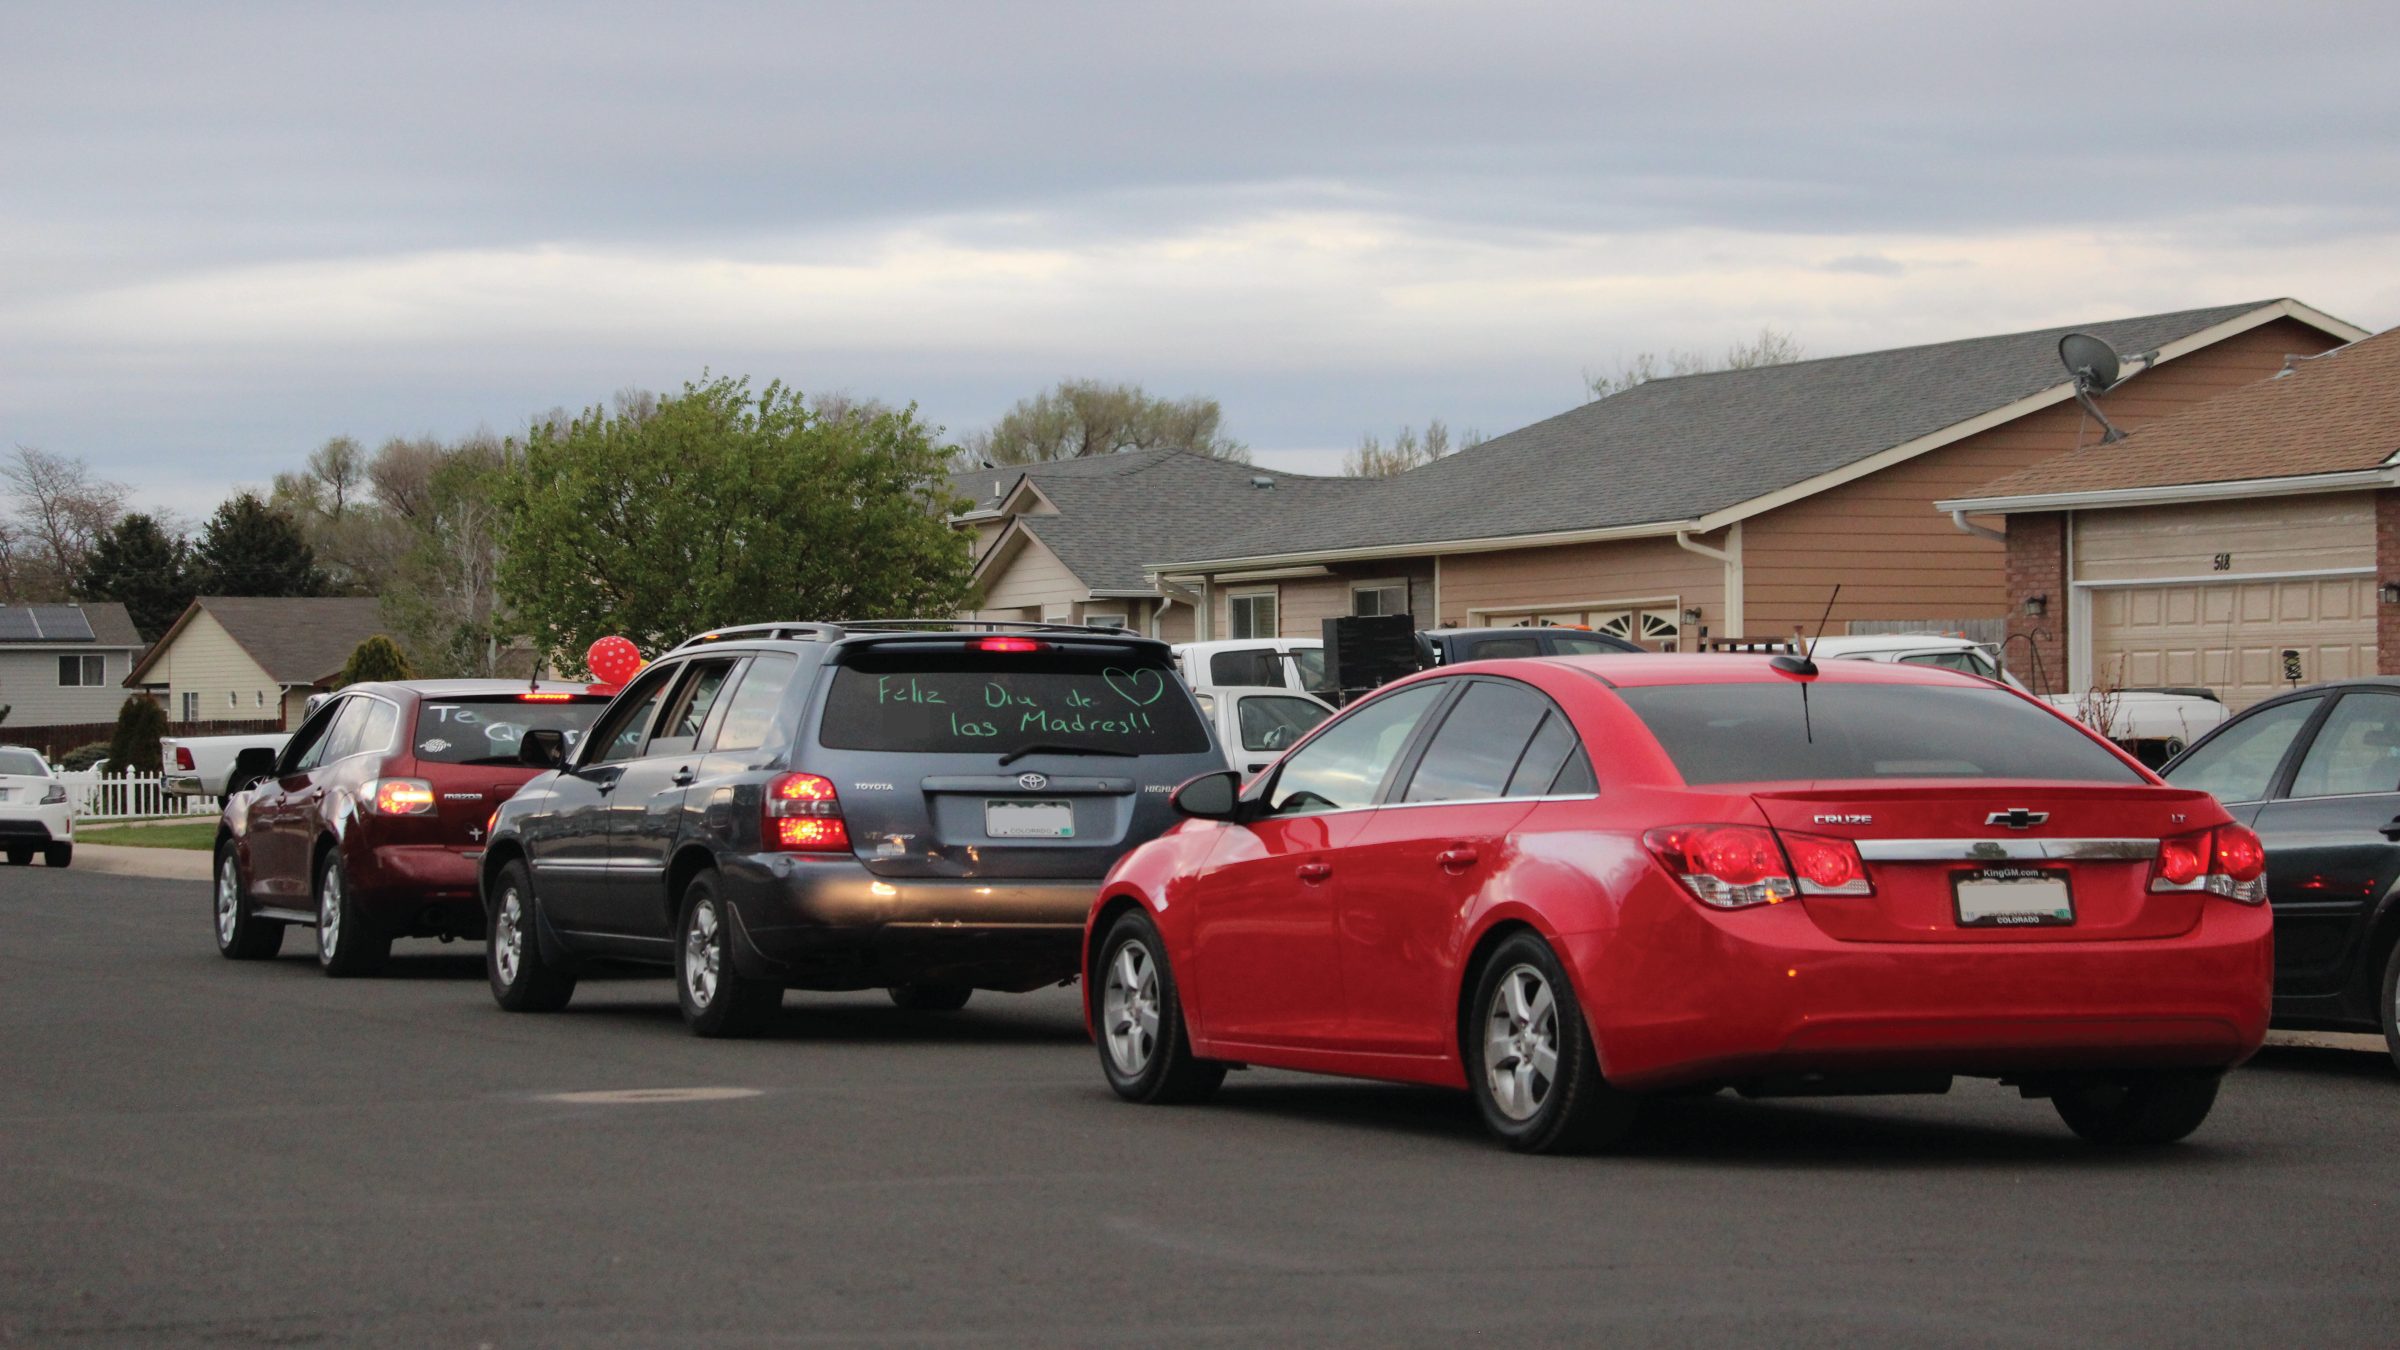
<point x="614" y="660"/>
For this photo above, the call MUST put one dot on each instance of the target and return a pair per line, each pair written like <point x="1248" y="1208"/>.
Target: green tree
<point x="1091" y="417"/>
<point x="723" y="506"/>
<point x="140" y="722"/>
<point x="250" y="548"/>
<point x="442" y="594"/>
<point x="377" y="658"/>
<point x="138" y="563"/>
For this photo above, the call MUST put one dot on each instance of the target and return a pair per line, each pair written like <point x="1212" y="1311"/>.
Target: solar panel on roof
<point x="16" y="625"/>
<point x="61" y="623"/>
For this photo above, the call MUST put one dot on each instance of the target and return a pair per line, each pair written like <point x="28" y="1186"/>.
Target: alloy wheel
<point x="229" y="898"/>
<point x="329" y="914"/>
<point x="1129" y="1008"/>
<point x="703" y="953"/>
<point x="1520" y="1043"/>
<point x="508" y="936"/>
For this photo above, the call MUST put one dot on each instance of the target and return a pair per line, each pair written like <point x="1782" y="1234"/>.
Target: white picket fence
<point x="128" y="796"/>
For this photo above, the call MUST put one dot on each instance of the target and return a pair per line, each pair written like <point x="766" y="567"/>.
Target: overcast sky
<point x="228" y="232"/>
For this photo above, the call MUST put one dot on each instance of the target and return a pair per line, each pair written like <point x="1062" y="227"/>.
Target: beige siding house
<point x="254" y="658"/>
<point x="1728" y="504"/>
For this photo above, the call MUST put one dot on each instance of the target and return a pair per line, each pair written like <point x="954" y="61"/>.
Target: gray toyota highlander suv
<point x="919" y="807"/>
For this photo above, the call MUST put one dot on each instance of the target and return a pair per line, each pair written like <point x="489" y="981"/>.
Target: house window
<point x="1250" y="614"/>
<point x="1372" y="598"/>
<point x="82" y="672"/>
<point x="259" y="699"/>
<point x="191" y="707"/>
<point x="1104" y="620"/>
<point x="232" y="699"/>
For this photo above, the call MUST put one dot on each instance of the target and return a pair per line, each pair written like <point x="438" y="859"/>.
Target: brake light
<point x="1007" y="644"/>
<point x="538" y="696"/>
<point x="399" y="797"/>
<point x="804" y="815"/>
<point x="2228" y="861"/>
<point x="1724" y="866"/>
<point x="183" y="757"/>
<point x="1826" y="866"/>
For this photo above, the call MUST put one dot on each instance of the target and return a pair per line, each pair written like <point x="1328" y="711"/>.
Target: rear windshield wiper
<point x="1054" y="748"/>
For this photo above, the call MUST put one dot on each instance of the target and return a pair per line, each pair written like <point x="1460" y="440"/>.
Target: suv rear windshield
<point x="984" y="704"/>
<point x="1792" y="732"/>
<point x="486" y="730"/>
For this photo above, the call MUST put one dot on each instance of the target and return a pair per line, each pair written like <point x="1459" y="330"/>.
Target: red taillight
<point x="1007" y="644"/>
<point x="1826" y="866"/>
<point x="804" y="815"/>
<point x="2228" y="861"/>
<point x="540" y="697"/>
<point x="400" y="797"/>
<point x="183" y="757"/>
<point x="1724" y="866"/>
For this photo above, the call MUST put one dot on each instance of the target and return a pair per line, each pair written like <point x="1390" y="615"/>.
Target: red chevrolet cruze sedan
<point x="1566" y="884"/>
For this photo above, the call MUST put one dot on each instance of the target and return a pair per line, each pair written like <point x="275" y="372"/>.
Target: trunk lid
<point x="1998" y="861"/>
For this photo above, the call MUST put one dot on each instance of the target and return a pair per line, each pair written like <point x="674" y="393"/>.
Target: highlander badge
<point x="2017" y="818"/>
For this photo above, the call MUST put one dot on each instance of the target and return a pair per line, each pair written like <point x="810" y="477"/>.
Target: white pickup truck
<point x="217" y="766"/>
<point x="1255" y="723"/>
<point x="2154" y="725"/>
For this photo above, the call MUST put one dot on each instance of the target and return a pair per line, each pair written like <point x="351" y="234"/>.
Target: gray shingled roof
<point x="298" y="640"/>
<point x="1120" y="513"/>
<point x="1677" y="449"/>
<point x="111" y="625"/>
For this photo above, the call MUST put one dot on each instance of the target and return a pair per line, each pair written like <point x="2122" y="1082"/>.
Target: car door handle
<point x="1457" y="859"/>
<point x="683" y="776"/>
<point x="2392" y="830"/>
<point x="1313" y="873"/>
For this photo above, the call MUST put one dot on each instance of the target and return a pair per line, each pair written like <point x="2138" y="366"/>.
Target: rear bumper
<point x="1765" y="992"/>
<point x="398" y="876"/>
<point x="831" y="924"/>
<point x="36" y="828"/>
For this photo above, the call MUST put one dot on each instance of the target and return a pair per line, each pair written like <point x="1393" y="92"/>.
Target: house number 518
<point x="2222" y="562"/>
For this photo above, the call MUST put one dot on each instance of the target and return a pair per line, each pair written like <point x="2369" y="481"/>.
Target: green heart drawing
<point x="1128" y="684"/>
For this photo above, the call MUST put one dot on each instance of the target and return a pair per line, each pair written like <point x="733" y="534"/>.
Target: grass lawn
<point x="198" y="834"/>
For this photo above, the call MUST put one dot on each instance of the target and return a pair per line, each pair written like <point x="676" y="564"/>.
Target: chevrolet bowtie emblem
<point x="2017" y="818"/>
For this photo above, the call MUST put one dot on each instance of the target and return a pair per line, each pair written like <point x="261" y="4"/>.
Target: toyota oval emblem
<point x="1033" y="782"/>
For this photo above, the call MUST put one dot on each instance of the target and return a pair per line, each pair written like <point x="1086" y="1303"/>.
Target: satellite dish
<point x="2097" y="369"/>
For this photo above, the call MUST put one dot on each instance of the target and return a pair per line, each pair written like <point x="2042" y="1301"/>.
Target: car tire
<point x="1524" y="1017"/>
<point x="1137" y="1013"/>
<point x="2139" y="1110"/>
<point x="59" y="855"/>
<point x="240" y="935"/>
<point x="931" y="997"/>
<point x="20" y="857"/>
<point x="717" y="999"/>
<point x="349" y="943"/>
<point x="2391" y="1002"/>
<point x="523" y="978"/>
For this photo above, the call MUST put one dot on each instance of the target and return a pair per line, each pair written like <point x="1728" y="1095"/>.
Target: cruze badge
<point x="1033" y="782"/>
<point x="1845" y="820"/>
<point x="2017" y="818"/>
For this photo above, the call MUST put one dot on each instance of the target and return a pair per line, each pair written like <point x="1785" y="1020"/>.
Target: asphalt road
<point x="197" y="1151"/>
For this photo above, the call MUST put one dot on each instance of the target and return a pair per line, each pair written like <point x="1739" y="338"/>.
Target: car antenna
<point x="1805" y="662"/>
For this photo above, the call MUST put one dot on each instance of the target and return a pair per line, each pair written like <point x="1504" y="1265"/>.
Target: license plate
<point x="2012" y="897"/>
<point x="1029" y="820"/>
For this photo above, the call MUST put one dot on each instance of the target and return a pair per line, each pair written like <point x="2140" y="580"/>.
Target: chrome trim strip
<point x="2007" y="850"/>
<point x="597" y="865"/>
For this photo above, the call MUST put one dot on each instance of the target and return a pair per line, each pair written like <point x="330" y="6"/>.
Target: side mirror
<point x="1211" y="796"/>
<point x="542" y="749"/>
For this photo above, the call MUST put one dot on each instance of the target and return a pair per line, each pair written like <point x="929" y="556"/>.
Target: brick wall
<point x="2387" y="568"/>
<point x="2037" y="565"/>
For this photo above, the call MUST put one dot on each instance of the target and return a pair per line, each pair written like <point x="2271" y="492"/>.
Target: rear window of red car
<point x="1802" y="731"/>
<point x="487" y="730"/>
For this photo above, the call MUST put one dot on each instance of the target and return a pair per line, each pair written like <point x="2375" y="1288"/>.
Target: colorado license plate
<point x="2012" y="897"/>
<point x="1029" y="820"/>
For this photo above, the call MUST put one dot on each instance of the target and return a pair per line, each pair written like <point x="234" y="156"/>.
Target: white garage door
<point x="2230" y="636"/>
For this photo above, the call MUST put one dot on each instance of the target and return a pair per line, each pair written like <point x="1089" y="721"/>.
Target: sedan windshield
<point x="1791" y="731"/>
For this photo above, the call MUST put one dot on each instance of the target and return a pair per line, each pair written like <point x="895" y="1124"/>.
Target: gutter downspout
<point x="1731" y="557"/>
<point x="1959" y="518"/>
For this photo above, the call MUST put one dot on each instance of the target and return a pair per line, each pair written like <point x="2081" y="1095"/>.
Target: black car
<point x="1449" y="646"/>
<point x="2316" y="773"/>
<point x="915" y="807"/>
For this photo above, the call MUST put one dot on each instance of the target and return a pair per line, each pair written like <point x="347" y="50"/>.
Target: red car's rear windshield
<point x="485" y="730"/>
<point x="1795" y="731"/>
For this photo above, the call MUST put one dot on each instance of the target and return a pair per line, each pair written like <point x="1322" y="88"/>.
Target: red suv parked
<point x="371" y="825"/>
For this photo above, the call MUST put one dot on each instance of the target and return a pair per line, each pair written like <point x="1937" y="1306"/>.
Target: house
<point x="1719" y="505"/>
<point x="64" y="665"/>
<point x="2247" y="544"/>
<point x="254" y="658"/>
<point x="1070" y="541"/>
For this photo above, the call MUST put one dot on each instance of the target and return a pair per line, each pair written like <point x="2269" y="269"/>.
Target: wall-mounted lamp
<point x="2036" y="606"/>
<point x="1692" y="615"/>
<point x="2389" y="592"/>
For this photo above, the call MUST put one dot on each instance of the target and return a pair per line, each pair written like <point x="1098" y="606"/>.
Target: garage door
<point x="2230" y="636"/>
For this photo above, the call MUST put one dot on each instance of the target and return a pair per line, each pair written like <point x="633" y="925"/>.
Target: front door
<point x="1267" y="962"/>
<point x="2333" y="844"/>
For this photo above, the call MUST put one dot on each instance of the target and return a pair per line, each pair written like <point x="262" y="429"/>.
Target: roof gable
<point x="296" y="640"/>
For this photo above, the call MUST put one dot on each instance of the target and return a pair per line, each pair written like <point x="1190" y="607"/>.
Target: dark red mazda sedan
<point x="1567" y="884"/>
